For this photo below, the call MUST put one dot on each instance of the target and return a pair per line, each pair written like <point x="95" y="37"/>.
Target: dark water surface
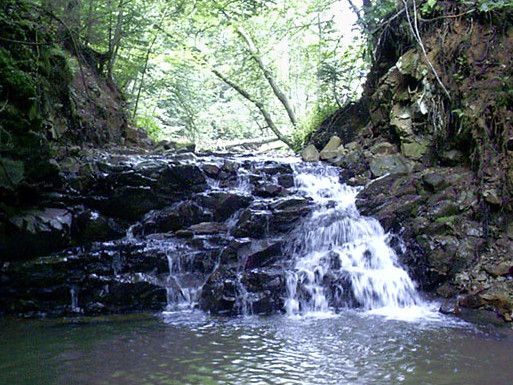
<point x="191" y="348"/>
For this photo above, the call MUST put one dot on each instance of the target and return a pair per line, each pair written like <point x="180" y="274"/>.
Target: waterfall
<point x="339" y="257"/>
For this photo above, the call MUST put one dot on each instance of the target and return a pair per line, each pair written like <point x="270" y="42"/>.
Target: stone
<point x="492" y="196"/>
<point x="332" y="149"/>
<point x="411" y="64"/>
<point x="401" y="121"/>
<point x="310" y="154"/>
<point x="269" y="190"/>
<point x="501" y="269"/>
<point x="352" y="164"/>
<point x="260" y="253"/>
<point x="333" y="154"/>
<point x="389" y="164"/>
<point x="12" y="173"/>
<point x="286" y="212"/>
<point x="223" y="204"/>
<point x="211" y="170"/>
<point x="37" y="232"/>
<point x="414" y="149"/>
<point x="173" y="218"/>
<point x="182" y="177"/>
<point x="286" y="181"/>
<point x="91" y="226"/>
<point x="451" y="157"/>
<point x="252" y="223"/>
<point x="434" y="182"/>
<point x="447" y="290"/>
<point x="383" y="148"/>
<point x="128" y="203"/>
<point x="208" y="228"/>
<point x="509" y="230"/>
<point x="450" y="307"/>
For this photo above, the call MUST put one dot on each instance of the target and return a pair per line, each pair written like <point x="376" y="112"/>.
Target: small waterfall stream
<point x="340" y="258"/>
<point x="255" y="235"/>
<point x="333" y="258"/>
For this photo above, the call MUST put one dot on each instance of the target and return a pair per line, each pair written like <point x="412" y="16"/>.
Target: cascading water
<point x="333" y="258"/>
<point x="339" y="257"/>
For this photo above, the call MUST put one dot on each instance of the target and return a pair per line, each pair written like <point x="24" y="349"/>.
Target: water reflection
<point x="192" y="348"/>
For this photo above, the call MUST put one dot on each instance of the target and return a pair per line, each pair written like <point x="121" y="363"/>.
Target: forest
<point x="256" y="191"/>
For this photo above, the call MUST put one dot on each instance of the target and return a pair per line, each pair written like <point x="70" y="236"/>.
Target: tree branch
<point x="267" y="116"/>
<point x="255" y="54"/>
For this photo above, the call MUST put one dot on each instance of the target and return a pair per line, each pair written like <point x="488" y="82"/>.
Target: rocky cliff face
<point x="439" y="163"/>
<point x="52" y="102"/>
<point x="141" y="232"/>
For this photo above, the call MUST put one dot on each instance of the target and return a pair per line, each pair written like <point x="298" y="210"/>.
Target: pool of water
<point x="192" y="348"/>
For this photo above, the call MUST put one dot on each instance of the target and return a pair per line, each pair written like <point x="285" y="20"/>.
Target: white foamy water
<point x="341" y="258"/>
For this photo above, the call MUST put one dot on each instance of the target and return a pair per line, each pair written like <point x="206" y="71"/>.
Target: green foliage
<point x="494" y="5"/>
<point x="311" y="123"/>
<point x="150" y="125"/>
<point x="428" y="7"/>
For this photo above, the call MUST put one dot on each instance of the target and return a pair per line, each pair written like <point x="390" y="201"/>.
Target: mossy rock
<point x="12" y="173"/>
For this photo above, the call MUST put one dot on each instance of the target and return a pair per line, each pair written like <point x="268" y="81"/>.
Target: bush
<point x="150" y="125"/>
<point x="311" y="123"/>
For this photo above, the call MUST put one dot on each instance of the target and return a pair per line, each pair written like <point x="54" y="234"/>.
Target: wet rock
<point x="230" y="167"/>
<point x="286" y="181"/>
<point x="129" y="203"/>
<point x="253" y="223"/>
<point x="134" y="296"/>
<point x="211" y="170"/>
<point x="182" y="177"/>
<point x="36" y="232"/>
<point x="269" y="190"/>
<point x="274" y="169"/>
<point x="173" y="218"/>
<point x="287" y="211"/>
<point x="208" y="228"/>
<point x="260" y="253"/>
<point x="219" y="295"/>
<point x="91" y="226"/>
<point x="450" y="307"/>
<point x="224" y="204"/>
<point x="310" y="154"/>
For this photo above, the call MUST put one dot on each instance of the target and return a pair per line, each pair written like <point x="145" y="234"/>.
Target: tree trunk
<point x="115" y="39"/>
<point x="250" y="142"/>
<point x="72" y="16"/>
<point x="145" y="67"/>
<point x="89" y="23"/>
<point x="255" y="54"/>
<point x="267" y="116"/>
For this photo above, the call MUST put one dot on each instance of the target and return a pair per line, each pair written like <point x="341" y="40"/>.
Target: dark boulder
<point x="36" y="232"/>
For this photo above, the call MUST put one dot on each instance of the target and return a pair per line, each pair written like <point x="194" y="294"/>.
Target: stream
<point x="191" y="348"/>
<point x="255" y="271"/>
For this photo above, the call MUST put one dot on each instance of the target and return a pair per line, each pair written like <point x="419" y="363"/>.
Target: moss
<point x="447" y="220"/>
<point x="16" y="84"/>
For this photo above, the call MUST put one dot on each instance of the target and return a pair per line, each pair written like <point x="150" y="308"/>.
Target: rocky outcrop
<point x="126" y="233"/>
<point x="433" y="172"/>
